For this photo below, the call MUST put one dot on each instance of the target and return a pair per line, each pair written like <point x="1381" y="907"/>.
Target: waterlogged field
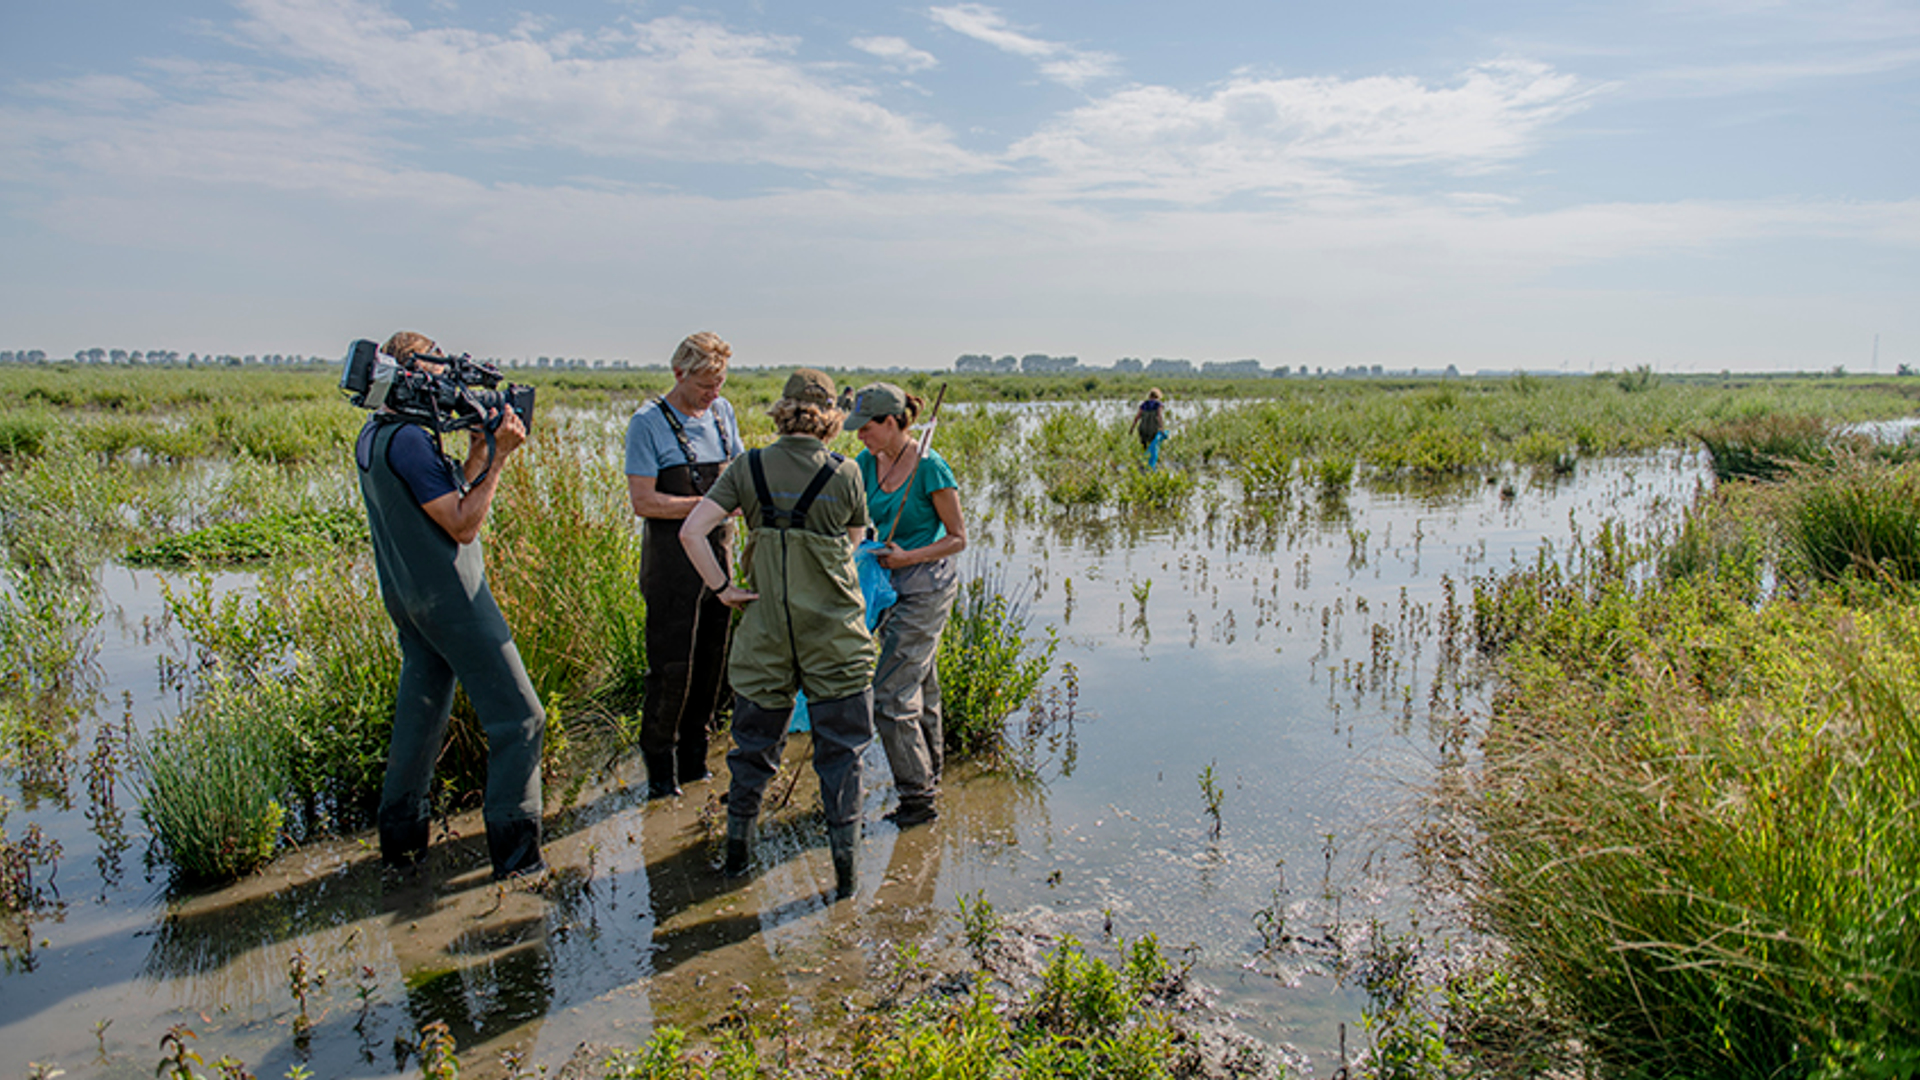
<point x="1263" y="655"/>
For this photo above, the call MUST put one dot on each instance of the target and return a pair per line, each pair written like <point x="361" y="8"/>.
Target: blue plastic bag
<point x="876" y="587"/>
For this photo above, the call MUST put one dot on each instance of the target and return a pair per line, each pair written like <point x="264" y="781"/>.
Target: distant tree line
<point x="172" y="358"/>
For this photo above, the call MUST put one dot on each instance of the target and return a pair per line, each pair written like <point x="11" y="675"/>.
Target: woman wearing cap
<point x="803" y="624"/>
<point x="916" y="512"/>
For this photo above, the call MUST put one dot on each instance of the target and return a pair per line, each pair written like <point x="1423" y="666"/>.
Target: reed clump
<point x="989" y="665"/>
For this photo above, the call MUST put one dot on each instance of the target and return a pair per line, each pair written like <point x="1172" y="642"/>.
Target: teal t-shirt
<point x="919" y="522"/>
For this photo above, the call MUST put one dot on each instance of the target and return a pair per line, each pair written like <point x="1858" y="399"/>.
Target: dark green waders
<point x="449" y="627"/>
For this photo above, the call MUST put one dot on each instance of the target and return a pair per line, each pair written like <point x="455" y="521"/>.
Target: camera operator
<point x="425" y="521"/>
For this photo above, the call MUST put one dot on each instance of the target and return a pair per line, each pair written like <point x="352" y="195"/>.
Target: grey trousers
<point x="483" y="658"/>
<point x="906" y="684"/>
<point x="842" y="728"/>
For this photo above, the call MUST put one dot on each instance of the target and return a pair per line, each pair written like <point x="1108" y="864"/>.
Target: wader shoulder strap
<point x="772" y="516"/>
<point x="680" y="431"/>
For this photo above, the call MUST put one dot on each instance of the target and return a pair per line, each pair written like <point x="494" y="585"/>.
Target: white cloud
<point x="897" y="52"/>
<point x="1061" y="63"/>
<point x="671" y="88"/>
<point x="1295" y="136"/>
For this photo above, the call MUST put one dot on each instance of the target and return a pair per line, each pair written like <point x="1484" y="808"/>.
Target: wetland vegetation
<point x="1672" y="757"/>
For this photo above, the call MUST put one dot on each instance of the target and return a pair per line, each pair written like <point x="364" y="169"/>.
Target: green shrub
<point x="270" y="536"/>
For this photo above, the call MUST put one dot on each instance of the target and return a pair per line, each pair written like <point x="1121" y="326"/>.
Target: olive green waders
<point x="807" y="631"/>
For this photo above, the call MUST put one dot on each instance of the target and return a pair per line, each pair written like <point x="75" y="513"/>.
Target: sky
<point x="1694" y="185"/>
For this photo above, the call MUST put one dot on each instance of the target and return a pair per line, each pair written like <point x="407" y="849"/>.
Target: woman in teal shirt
<point x="915" y="507"/>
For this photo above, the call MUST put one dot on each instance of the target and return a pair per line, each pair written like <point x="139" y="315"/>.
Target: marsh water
<point x="1243" y="705"/>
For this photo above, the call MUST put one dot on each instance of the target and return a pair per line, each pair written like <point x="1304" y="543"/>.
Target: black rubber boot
<point x="739" y="847"/>
<point x="514" y="847"/>
<point x="909" y="814"/>
<point x="660" y="772"/>
<point x="844" y="842"/>
<point x="403" y="844"/>
<point x="693" y="761"/>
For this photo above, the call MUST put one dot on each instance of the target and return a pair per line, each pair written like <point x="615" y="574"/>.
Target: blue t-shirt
<point x="412" y="456"/>
<point x="920" y="523"/>
<point x="651" y="445"/>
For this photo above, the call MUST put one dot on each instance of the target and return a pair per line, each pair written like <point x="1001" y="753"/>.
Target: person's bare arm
<point x="650" y="502"/>
<point x="461" y="515"/>
<point x="946" y="503"/>
<point x="707" y="516"/>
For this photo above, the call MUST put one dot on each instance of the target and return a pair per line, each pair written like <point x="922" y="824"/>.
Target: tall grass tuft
<point x="1766" y="447"/>
<point x="211" y="791"/>
<point x="988" y="666"/>
<point x="563" y="559"/>
<point x="1858" y="520"/>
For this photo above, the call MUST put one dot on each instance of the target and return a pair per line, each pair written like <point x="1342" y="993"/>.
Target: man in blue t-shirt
<point x="425" y="512"/>
<point x="677" y="446"/>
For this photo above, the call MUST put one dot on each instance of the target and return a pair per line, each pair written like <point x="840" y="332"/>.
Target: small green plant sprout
<point x="437" y="1060"/>
<point x="227" y="1067"/>
<point x="302" y="978"/>
<point x="1141" y="589"/>
<point x="979" y="924"/>
<point x="1213" y="796"/>
<point x="367" y="989"/>
<point x="177" y="1059"/>
<point x="42" y="1071"/>
<point x="1270" y="922"/>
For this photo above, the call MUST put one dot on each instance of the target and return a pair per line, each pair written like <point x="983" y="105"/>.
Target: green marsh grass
<point x="1767" y="447"/>
<point x="1695" y="816"/>
<point x="1860" y="520"/>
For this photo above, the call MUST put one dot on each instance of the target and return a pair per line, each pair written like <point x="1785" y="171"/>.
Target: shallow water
<point x="1292" y="650"/>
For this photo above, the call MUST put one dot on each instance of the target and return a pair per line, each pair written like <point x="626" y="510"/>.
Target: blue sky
<point x="1692" y="185"/>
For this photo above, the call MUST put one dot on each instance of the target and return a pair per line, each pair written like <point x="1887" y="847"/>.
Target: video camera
<point x="457" y="399"/>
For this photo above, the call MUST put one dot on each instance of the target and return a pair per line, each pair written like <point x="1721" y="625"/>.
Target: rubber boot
<point x="739" y="846"/>
<point x="514" y="847"/>
<point x="403" y="843"/>
<point x="692" y="755"/>
<point x="844" y="842"/>
<point x="660" y="771"/>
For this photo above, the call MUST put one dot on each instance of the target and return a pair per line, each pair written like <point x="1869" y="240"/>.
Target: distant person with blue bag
<point x="915" y="505"/>
<point x="1150" y="423"/>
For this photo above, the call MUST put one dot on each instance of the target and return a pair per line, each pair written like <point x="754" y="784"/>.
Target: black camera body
<point x="454" y="400"/>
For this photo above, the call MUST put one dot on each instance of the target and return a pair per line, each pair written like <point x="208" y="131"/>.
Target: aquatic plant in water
<point x="988" y="667"/>
<point x="211" y="792"/>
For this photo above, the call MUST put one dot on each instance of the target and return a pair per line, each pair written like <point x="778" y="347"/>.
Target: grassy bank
<point x="1693" y="823"/>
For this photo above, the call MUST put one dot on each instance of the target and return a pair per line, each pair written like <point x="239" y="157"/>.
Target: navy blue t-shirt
<point x="412" y="456"/>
